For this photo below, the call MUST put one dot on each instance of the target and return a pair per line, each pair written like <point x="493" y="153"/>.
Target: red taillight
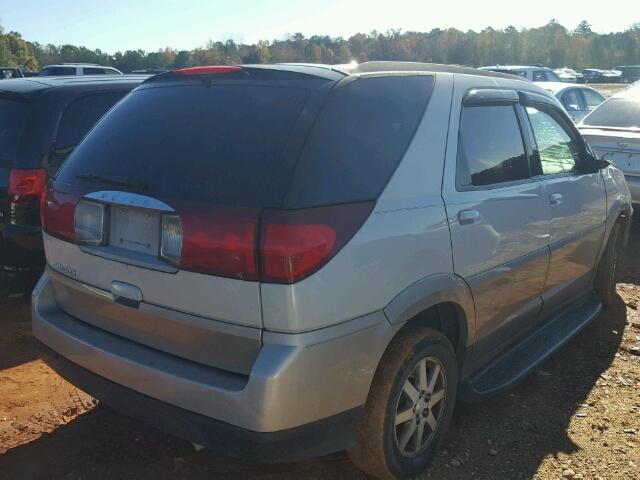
<point x="293" y="244"/>
<point x="296" y="243"/>
<point x="208" y="69"/>
<point x="27" y="182"/>
<point x="220" y="241"/>
<point x="57" y="211"/>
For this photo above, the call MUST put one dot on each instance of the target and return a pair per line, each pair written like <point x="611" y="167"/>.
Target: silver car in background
<point x="613" y="131"/>
<point x="577" y="100"/>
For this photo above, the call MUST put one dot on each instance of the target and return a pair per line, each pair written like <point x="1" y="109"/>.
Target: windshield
<point x="616" y="113"/>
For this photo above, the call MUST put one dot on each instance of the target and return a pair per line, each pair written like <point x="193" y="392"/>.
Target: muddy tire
<point x="605" y="281"/>
<point x="410" y="405"/>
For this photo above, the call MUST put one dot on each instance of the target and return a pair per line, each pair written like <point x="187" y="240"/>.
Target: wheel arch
<point x="442" y="301"/>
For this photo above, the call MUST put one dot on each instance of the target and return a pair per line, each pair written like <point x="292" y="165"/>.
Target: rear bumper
<point x="307" y="441"/>
<point x="299" y="383"/>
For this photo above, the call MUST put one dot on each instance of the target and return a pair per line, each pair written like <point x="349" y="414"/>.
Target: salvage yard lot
<point x="577" y="416"/>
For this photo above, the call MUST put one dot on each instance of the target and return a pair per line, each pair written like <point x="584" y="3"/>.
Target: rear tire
<point x="605" y="281"/>
<point x="410" y="405"/>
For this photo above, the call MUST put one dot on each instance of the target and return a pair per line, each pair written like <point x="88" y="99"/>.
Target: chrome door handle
<point x="467" y="217"/>
<point x="556" y="199"/>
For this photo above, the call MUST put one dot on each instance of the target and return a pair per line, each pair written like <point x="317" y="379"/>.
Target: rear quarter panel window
<point x="360" y="136"/>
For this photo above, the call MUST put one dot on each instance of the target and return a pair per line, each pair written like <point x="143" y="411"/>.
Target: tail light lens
<point x="296" y="243"/>
<point x="220" y="241"/>
<point x="89" y="223"/>
<point x="273" y="246"/>
<point x="57" y="212"/>
<point x="171" y="240"/>
<point x="27" y="182"/>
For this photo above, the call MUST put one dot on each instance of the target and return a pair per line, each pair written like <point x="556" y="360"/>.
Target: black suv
<point x="41" y="121"/>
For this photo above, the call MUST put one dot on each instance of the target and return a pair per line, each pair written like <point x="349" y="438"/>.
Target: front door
<point x="576" y="200"/>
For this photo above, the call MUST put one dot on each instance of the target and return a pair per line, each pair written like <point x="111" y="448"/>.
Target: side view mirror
<point x="602" y="162"/>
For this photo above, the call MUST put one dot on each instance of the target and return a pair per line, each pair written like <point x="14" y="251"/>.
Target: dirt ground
<point x="578" y="416"/>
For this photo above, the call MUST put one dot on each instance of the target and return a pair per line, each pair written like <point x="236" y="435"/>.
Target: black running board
<point x="516" y="363"/>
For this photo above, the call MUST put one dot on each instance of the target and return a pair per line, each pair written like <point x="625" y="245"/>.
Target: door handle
<point x="467" y="217"/>
<point x="556" y="199"/>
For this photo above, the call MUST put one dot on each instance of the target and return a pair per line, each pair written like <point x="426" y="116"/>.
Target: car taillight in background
<point x="27" y="183"/>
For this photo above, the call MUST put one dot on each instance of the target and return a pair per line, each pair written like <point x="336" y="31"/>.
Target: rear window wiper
<point x="138" y="184"/>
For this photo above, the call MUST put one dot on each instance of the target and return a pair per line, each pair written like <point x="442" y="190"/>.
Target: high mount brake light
<point x="208" y="70"/>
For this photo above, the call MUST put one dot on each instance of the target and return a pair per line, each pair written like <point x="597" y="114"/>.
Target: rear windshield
<point x="253" y="145"/>
<point x="13" y="117"/>
<point x="220" y="144"/>
<point x="617" y="113"/>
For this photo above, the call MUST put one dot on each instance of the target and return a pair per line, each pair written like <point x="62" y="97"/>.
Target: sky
<point x="118" y="25"/>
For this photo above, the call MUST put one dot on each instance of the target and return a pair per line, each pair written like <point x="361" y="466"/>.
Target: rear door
<point x="497" y="216"/>
<point x="575" y="198"/>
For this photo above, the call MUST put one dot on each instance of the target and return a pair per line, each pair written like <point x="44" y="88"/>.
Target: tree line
<point x="551" y="45"/>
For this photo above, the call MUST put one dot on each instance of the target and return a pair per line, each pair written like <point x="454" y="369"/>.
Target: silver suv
<point x="285" y="261"/>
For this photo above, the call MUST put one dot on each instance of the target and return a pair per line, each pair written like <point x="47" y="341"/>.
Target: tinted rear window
<point x="221" y="144"/>
<point x="616" y="112"/>
<point x="359" y="138"/>
<point x="13" y="117"/>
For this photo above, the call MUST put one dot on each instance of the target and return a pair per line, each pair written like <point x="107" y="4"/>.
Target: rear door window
<point x="490" y="147"/>
<point x="13" y="118"/>
<point x="359" y="138"/>
<point x="79" y="117"/>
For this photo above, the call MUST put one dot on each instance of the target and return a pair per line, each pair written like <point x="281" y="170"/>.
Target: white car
<point x="578" y="100"/>
<point x="569" y="75"/>
<point x="613" y="131"/>
<point x="71" y="69"/>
